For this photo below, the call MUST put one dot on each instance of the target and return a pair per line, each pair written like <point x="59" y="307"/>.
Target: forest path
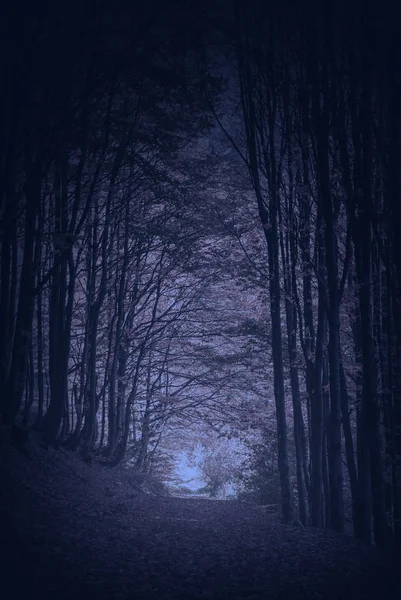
<point x="73" y="532"/>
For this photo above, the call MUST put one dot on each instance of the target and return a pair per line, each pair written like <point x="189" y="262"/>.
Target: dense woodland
<point x="200" y="213"/>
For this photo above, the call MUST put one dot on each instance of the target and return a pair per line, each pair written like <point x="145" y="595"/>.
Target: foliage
<point x="219" y="464"/>
<point x="259" y="480"/>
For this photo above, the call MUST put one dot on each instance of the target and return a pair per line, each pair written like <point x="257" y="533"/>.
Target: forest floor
<point x="73" y="531"/>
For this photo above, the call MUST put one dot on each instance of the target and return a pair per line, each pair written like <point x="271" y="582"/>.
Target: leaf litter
<point x="74" y="531"/>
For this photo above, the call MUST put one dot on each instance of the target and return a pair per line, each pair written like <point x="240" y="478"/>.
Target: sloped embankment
<point x="73" y="531"/>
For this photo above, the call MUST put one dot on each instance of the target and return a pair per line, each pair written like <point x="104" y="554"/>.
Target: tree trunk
<point x="321" y="132"/>
<point x="268" y="209"/>
<point x="23" y="328"/>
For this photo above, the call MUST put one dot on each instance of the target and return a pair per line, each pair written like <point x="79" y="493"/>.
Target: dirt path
<point x="72" y="532"/>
